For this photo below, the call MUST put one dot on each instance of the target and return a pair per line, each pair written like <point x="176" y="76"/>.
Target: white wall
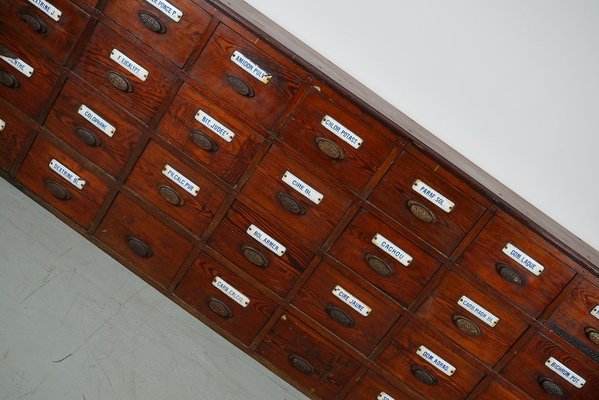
<point x="513" y="85"/>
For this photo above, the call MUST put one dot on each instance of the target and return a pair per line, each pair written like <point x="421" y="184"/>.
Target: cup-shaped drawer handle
<point x="330" y="148"/>
<point x="57" y="190"/>
<point x="88" y="137"/>
<point x="203" y="141"/>
<point x="151" y="22"/>
<point x="466" y="325"/>
<point x="138" y="247"/>
<point x="551" y="387"/>
<point x="592" y="334"/>
<point x="120" y="82"/>
<point x="423" y="375"/>
<point x="510" y="274"/>
<point x="170" y="195"/>
<point x="254" y="256"/>
<point x="6" y="52"/>
<point x="240" y="86"/>
<point x="291" y="204"/>
<point x="378" y="265"/>
<point x="36" y="24"/>
<point x="301" y="364"/>
<point x="340" y="316"/>
<point x="421" y="212"/>
<point x="8" y="79"/>
<point x="219" y="308"/>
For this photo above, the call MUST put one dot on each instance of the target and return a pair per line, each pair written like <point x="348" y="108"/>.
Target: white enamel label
<point x="523" y="259"/>
<point x="167" y="9"/>
<point x="2" y="125"/>
<point x="432" y="195"/>
<point x="230" y="291"/>
<point x="595" y="311"/>
<point x="436" y="361"/>
<point x="479" y="312"/>
<point x="19" y="65"/>
<point x="96" y="120"/>
<point x="48" y="9"/>
<point x="67" y="174"/>
<point x="180" y="180"/>
<point x="302" y="188"/>
<point x="129" y="64"/>
<point x="250" y="67"/>
<point x="266" y="240"/>
<point x="351" y="301"/>
<point x="384" y="244"/>
<point x="384" y="396"/>
<point x="565" y="372"/>
<point x="215" y="126"/>
<point x="341" y="132"/>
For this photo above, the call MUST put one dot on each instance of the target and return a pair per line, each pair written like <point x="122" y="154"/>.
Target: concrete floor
<point x="74" y="324"/>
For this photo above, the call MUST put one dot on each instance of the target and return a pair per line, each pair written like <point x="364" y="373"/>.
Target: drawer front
<point x="477" y="320"/>
<point x="94" y="126"/>
<point x="232" y="240"/>
<point x="378" y="249"/>
<point x="152" y="247"/>
<point x="306" y="201"/>
<point x="401" y="359"/>
<point x="372" y="387"/>
<point x="34" y="25"/>
<point x="50" y="169"/>
<point x="309" y="131"/>
<point x="227" y="158"/>
<point x="500" y="389"/>
<point x="533" y="369"/>
<point x="485" y="257"/>
<point x="15" y="133"/>
<point x="307" y="357"/>
<point x="421" y="199"/>
<point x="141" y="92"/>
<point x="233" y="304"/>
<point x="347" y="306"/>
<point x="176" y="188"/>
<point x="173" y="32"/>
<point x="224" y="67"/>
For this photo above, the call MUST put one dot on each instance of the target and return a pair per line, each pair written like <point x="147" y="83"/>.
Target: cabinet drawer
<point x="347" y="306"/>
<point x="176" y="188"/>
<point x="94" y="126"/>
<point x="501" y="389"/>
<point x="34" y="25"/>
<point x="16" y="131"/>
<point x="440" y="209"/>
<point x="538" y="369"/>
<point x="64" y="179"/>
<point x="477" y="320"/>
<point x="372" y="387"/>
<point x="232" y="240"/>
<point x="378" y="249"/>
<point x="173" y="32"/>
<point x="152" y="247"/>
<point x="307" y="357"/>
<point x="310" y="131"/>
<point x="225" y="298"/>
<point x="401" y="359"/>
<point x="142" y="92"/>
<point x="248" y="74"/>
<point x="304" y="200"/>
<point x="227" y="158"/>
<point x="486" y="257"/>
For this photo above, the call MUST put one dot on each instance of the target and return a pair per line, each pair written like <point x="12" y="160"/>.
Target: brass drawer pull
<point x="8" y="79"/>
<point x="510" y="274"/>
<point x="120" y="82"/>
<point x="340" y="316"/>
<point x="421" y="212"/>
<point x="592" y="334"/>
<point x="239" y="85"/>
<point x="6" y="52"/>
<point x="330" y="148"/>
<point x="36" y="24"/>
<point x="219" y="308"/>
<point x="301" y="364"/>
<point x="138" y="247"/>
<point x="152" y="22"/>
<point x="254" y="256"/>
<point x="170" y="195"/>
<point x="291" y="204"/>
<point x="423" y="375"/>
<point x="88" y="137"/>
<point x="203" y="142"/>
<point x="466" y="325"/>
<point x="378" y="265"/>
<point x="57" y="190"/>
<point x="551" y="387"/>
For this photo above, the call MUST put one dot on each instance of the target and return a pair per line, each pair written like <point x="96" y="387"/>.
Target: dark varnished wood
<point x="501" y="389"/>
<point x="370" y="386"/>
<point x="17" y="133"/>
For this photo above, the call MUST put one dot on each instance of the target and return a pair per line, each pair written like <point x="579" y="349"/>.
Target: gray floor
<point x="74" y="324"/>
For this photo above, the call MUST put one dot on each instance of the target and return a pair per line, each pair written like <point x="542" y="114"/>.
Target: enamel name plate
<point x="180" y="180"/>
<point x="351" y="301"/>
<point x="250" y="67"/>
<point x="222" y="131"/>
<point x="48" y="9"/>
<point x="384" y="396"/>
<point x="96" y="120"/>
<point x="2" y="125"/>
<point x="167" y="9"/>
<point x="435" y="361"/>
<point x="432" y="195"/>
<point x="341" y="131"/>
<point x="230" y="291"/>
<point x="19" y="65"/>
<point x="595" y="311"/>
<point x="478" y="311"/>
<point x="130" y="65"/>
<point x="266" y="240"/>
<point x="565" y="372"/>
<point x="302" y="188"/>
<point x="384" y="244"/>
<point x="523" y="259"/>
<point x="67" y="174"/>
